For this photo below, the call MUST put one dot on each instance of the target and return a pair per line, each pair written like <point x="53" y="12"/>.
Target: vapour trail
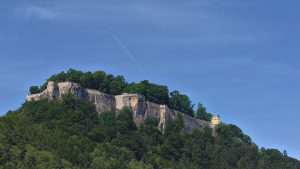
<point x="128" y="54"/>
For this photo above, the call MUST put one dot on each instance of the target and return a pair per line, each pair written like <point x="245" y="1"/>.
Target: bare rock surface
<point x="135" y="102"/>
<point x="103" y="102"/>
<point x="140" y="107"/>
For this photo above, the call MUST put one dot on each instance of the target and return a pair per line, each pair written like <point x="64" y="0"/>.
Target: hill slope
<point x="68" y="133"/>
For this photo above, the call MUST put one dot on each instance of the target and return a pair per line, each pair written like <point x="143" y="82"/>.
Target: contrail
<point x="128" y="54"/>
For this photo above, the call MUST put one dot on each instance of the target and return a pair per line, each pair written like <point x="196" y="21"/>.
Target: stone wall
<point x="103" y="102"/>
<point x="137" y="103"/>
<point x="140" y="108"/>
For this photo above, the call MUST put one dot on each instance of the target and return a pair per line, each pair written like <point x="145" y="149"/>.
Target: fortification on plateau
<point x="140" y="107"/>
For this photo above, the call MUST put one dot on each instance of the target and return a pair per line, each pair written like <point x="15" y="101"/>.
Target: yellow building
<point x="215" y="120"/>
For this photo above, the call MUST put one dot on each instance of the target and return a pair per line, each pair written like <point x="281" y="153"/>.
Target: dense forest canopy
<point x="115" y="85"/>
<point x="68" y="133"/>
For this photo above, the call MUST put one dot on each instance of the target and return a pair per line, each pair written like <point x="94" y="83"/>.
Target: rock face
<point x="140" y="107"/>
<point x="103" y="102"/>
<point x="56" y="90"/>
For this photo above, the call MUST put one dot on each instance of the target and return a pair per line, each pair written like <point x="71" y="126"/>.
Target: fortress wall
<point x="37" y="97"/>
<point x="153" y="110"/>
<point x="103" y="102"/>
<point x="74" y="89"/>
<point x="135" y="102"/>
<point x="140" y="107"/>
<point x="191" y="123"/>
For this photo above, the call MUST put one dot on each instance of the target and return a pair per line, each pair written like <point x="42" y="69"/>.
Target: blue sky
<point x="239" y="58"/>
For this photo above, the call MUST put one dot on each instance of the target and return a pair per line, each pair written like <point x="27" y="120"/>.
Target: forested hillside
<point x="68" y="133"/>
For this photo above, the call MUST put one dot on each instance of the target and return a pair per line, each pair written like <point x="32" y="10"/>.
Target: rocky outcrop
<point x="135" y="102"/>
<point x="103" y="102"/>
<point x="56" y="90"/>
<point x="193" y="123"/>
<point x="140" y="108"/>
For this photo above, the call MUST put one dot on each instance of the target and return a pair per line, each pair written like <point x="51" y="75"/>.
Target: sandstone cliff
<point x="140" y="107"/>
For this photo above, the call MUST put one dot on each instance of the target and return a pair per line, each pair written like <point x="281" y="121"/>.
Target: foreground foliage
<point x="68" y="133"/>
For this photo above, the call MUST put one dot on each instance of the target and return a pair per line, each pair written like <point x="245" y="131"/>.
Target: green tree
<point x="87" y="80"/>
<point x="99" y="77"/>
<point x="152" y="92"/>
<point x="34" y="89"/>
<point x="106" y="85"/>
<point x="117" y="85"/>
<point x="181" y="102"/>
<point x="271" y="158"/>
<point x="201" y="113"/>
<point x="134" y="164"/>
<point x="74" y="75"/>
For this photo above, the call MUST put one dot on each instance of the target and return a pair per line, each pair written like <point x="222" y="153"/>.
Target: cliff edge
<point x="140" y="107"/>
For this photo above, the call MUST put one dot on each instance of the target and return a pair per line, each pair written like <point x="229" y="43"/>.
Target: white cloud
<point x="37" y="12"/>
<point x="150" y="13"/>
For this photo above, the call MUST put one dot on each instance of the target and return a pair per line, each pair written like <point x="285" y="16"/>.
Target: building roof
<point x="216" y="116"/>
